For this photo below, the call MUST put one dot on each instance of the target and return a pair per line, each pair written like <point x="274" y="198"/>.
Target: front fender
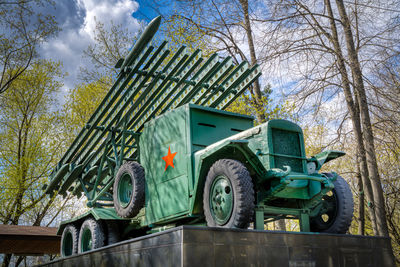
<point x="326" y="156"/>
<point x="238" y="146"/>
<point x="229" y="148"/>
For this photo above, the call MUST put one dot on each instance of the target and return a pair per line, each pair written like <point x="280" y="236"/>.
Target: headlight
<point x="311" y="167"/>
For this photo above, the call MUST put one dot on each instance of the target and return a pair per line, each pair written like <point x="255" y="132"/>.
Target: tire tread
<point x="98" y="236"/>
<point x="75" y="236"/>
<point x="242" y="187"/>
<point x="345" y="210"/>
<point x="138" y="196"/>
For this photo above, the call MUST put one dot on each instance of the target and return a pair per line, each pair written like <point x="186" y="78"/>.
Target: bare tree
<point x="227" y="26"/>
<point x="25" y="29"/>
<point x="111" y="44"/>
<point x="385" y="82"/>
<point x="334" y="53"/>
<point x="328" y="48"/>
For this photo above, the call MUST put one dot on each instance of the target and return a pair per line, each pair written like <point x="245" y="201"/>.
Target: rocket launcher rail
<point x="151" y="81"/>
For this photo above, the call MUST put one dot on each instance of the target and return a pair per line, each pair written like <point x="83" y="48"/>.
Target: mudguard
<point x="325" y="157"/>
<point x="224" y="149"/>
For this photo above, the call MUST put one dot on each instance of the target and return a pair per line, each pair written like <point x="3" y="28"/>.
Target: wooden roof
<point x="29" y="240"/>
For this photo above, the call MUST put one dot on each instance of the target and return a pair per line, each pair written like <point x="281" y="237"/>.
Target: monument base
<point x="202" y="246"/>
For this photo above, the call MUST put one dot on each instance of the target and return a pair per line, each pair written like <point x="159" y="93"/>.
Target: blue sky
<point x="76" y="18"/>
<point x="145" y="12"/>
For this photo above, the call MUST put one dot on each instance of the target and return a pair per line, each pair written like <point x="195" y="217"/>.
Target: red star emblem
<point x="169" y="159"/>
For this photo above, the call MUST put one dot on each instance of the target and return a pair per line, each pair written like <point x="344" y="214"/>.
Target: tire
<point x="113" y="233"/>
<point x="69" y="241"/>
<point x="128" y="190"/>
<point x="91" y="235"/>
<point x="337" y="211"/>
<point x="228" y="198"/>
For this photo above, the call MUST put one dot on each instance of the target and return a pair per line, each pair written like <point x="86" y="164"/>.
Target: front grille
<point x="287" y="143"/>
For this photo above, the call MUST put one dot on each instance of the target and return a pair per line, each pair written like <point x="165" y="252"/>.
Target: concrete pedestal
<point x="202" y="246"/>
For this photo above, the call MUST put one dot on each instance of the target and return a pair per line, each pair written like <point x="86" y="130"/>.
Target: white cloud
<point x="119" y="11"/>
<point x="77" y="22"/>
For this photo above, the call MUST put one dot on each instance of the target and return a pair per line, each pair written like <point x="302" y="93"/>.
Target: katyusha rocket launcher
<point x="161" y="151"/>
<point x="152" y="80"/>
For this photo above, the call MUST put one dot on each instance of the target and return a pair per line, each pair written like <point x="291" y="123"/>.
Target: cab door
<point x="163" y="154"/>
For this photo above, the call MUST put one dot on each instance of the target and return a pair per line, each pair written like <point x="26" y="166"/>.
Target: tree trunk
<point x="19" y="260"/>
<point x="256" y="88"/>
<point x="6" y="260"/>
<point x="355" y="116"/>
<point x="379" y="202"/>
<point x="280" y="225"/>
<point x="361" y="210"/>
<point x="366" y="123"/>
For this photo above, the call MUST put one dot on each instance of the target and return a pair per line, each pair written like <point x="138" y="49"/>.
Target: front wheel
<point x="337" y="209"/>
<point x="228" y="199"/>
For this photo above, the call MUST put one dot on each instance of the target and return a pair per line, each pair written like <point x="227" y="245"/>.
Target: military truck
<point x="161" y="151"/>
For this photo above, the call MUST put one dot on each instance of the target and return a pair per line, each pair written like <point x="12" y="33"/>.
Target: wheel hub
<point x="86" y="240"/>
<point x="125" y="190"/>
<point x="328" y="211"/>
<point x="221" y="201"/>
<point x="67" y="245"/>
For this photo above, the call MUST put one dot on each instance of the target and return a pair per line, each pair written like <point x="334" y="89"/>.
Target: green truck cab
<point x="161" y="151"/>
<point x="189" y="155"/>
<point x="171" y="148"/>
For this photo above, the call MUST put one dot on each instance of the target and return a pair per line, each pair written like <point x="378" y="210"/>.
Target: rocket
<point x="144" y="39"/>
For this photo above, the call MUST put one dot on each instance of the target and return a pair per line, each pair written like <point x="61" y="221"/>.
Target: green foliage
<point x="180" y="32"/>
<point x="247" y="105"/>
<point x="30" y="140"/>
<point x="388" y="156"/>
<point x="315" y="138"/>
<point x="82" y="101"/>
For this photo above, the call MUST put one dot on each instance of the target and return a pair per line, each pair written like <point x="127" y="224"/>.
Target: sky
<point x="76" y="18"/>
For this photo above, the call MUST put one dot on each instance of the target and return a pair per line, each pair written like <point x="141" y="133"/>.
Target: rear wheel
<point x="91" y="235"/>
<point x="128" y="190"/>
<point x="69" y="241"/>
<point x="337" y="209"/>
<point x="228" y="199"/>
